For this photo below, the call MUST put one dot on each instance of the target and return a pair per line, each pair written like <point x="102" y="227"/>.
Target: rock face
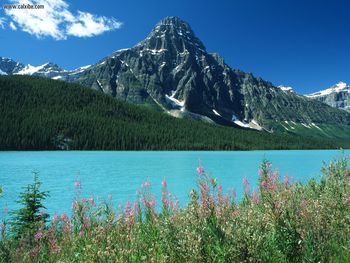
<point x="48" y="70"/>
<point x="9" y="66"/>
<point x="172" y="69"/>
<point x="337" y="96"/>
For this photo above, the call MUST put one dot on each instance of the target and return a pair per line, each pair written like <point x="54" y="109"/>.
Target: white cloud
<point x="56" y="21"/>
<point x="12" y="26"/>
<point x="88" y="25"/>
<point x="2" y="21"/>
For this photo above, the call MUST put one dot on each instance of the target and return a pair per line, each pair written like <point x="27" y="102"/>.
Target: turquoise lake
<point x="121" y="173"/>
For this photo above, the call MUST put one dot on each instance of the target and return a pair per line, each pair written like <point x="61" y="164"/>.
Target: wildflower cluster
<point x="281" y="221"/>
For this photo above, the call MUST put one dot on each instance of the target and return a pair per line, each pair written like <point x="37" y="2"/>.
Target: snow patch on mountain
<point x="339" y="87"/>
<point x="30" y="70"/>
<point x="2" y="73"/>
<point x="252" y="124"/>
<point x="216" y="113"/>
<point x="285" y="88"/>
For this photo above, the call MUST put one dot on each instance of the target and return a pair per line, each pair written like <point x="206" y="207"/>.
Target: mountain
<point x="337" y="96"/>
<point x="9" y="66"/>
<point x="49" y="70"/>
<point x="172" y="71"/>
<point x="45" y="114"/>
<point x="286" y="88"/>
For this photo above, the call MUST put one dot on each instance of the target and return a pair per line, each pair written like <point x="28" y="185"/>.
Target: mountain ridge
<point x="171" y="71"/>
<point x="172" y="68"/>
<point x="44" y="114"/>
<point x="337" y="96"/>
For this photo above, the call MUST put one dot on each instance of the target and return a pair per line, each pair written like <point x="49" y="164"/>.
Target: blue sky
<point x="303" y="44"/>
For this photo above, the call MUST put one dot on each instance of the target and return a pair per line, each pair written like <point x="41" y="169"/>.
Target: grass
<point x="280" y="222"/>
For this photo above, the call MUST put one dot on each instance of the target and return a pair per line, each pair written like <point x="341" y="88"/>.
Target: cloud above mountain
<point x="53" y="18"/>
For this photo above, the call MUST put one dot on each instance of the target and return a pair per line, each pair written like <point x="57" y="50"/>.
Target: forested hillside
<point x="44" y="114"/>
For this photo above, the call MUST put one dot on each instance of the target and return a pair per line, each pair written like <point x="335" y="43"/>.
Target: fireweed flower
<point x="146" y="184"/>
<point x="54" y="218"/>
<point x="255" y="197"/>
<point x="176" y="204"/>
<point x="246" y="185"/>
<point x="234" y="193"/>
<point x="64" y="217"/>
<point x="347" y="200"/>
<point x="286" y="180"/>
<point x="91" y="201"/>
<point x="39" y="235"/>
<point x="164" y="184"/>
<point x="77" y="184"/>
<point x="152" y="203"/>
<point x="200" y="170"/>
<point x="74" y="205"/>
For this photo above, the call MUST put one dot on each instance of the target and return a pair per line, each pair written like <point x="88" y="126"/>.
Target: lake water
<point x="121" y="173"/>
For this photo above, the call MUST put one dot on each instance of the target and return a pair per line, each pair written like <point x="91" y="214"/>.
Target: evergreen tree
<point x="27" y="220"/>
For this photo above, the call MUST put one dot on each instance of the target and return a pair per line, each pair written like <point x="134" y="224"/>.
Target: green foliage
<point x="27" y="220"/>
<point x="282" y="222"/>
<point x="38" y="113"/>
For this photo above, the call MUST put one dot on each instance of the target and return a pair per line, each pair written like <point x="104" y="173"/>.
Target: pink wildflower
<point x="91" y="201"/>
<point x="165" y="200"/>
<point x="347" y="200"/>
<point x="220" y="189"/>
<point x="277" y="205"/>
<point x="234" y="193"/>
<point x="110" y="197"/>
<point x="152" y="203"/>
<point x="255" y="197"/>
<point x="54" y="219"/>
<point x="200" y="169"/>
<point x="275" y="176"/>
<point x="77" y="184"/>
<point x="146" y="184"/>
<point x="2" y="226"/>
<point x="74" y="205"/>
<point x="64" y="217"/>
<point x="39" y="235"/>
<point x="246" y="185"/>
<point x="286" y="180"/>
<point x="176" y="204"/>
<point x="136" y="208"/>
<point x="264" y="184"/>
<point x="261" y="171"/>
<point x="164" y="184"/>
<point x="86" y="222"/>
<point x="245" y="181"/>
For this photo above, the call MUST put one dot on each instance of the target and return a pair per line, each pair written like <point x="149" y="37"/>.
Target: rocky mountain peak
<point x="173" y="34"/>
<point x="339" y="86"/>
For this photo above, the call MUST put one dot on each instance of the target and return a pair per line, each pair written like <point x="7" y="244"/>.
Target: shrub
<point x="281" y="222"/>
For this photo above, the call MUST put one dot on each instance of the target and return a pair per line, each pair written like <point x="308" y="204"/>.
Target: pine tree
<point x="27" y="220"/>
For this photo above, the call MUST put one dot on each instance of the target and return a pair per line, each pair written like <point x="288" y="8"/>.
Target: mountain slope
<point x="337" y="96"/>
<point x="49" y="70"/>
<point x="43" y="114"/>
<point x="172" y="70"/>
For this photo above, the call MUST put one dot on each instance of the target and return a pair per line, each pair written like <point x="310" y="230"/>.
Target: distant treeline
<point x="44" y="114"/>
